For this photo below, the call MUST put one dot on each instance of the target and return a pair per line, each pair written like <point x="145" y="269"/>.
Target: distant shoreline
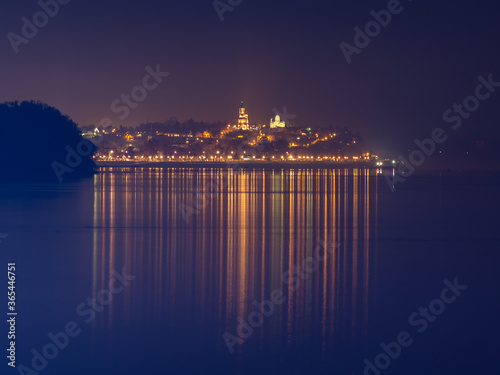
<point x="445" y="166"/>
<point x="235" y="165"/>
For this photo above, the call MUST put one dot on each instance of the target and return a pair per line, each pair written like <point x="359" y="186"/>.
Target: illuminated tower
<point x="243" y="119"/>
<point x="277" y="123"/>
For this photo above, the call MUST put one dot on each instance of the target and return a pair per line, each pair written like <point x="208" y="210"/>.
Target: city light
<point x="267" y="143"/>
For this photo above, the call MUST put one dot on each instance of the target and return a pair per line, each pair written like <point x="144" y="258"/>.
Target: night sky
<point x="270" y="54"/>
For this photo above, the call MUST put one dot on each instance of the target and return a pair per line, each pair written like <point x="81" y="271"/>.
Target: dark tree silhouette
<point x="41" y="144"/>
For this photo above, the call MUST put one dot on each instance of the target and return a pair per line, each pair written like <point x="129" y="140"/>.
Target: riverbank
<point x="238" y="165"/>
<point x="432" y="165"/>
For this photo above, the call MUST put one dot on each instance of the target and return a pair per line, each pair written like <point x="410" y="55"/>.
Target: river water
<point x="294" y="271"/>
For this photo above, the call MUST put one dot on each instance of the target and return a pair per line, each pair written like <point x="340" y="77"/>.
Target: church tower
<point x="243" y="118"/>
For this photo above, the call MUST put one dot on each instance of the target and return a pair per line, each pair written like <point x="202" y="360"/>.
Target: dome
<point x="277" y="118"/>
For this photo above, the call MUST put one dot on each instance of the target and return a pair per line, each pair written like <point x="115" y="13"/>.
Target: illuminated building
<point x="277" y="123"/>
<point x="243" y="119"/>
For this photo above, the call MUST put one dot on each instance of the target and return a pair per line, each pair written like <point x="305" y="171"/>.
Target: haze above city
<point x="269" y="54"/>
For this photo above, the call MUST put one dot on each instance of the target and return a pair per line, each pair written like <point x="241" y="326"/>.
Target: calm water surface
<point x="205" y="246"/>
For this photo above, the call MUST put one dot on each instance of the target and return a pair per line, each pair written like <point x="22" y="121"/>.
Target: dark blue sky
<point x="268" y="53"/>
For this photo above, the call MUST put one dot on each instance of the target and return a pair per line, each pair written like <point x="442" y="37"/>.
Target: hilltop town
<point x="279" y="140"/>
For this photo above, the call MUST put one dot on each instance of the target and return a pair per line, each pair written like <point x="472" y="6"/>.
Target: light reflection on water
<point x="195" y="278"/>
<point x="206" y="267"/>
